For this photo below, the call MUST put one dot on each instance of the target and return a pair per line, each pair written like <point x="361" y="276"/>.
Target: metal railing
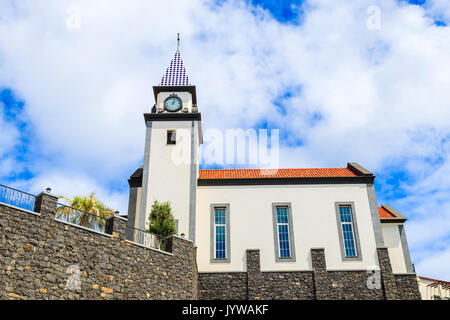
<point x="81" y="218"/>
<point x="144" y="238"/>
<point x="17" y="198"/>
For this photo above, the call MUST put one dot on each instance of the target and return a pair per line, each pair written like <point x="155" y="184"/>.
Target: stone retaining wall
<point x="222" y="286"/>
<point x="306" y="285"/>
<point x="407" y="286"/>
<point x="42" y="258"/>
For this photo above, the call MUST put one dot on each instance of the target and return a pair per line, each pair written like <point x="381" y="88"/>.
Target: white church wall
<point x="169" y="170"/>
<point x="427" y="292"/>
<point x="393" y="242"/>
<point x="432" y="289"/>
<point x="314" y="225"/>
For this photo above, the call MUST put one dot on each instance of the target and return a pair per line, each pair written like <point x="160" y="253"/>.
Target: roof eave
<point x="286" y="181"/>
<point x="392" y="220"/>
<point x="189" y="88"/>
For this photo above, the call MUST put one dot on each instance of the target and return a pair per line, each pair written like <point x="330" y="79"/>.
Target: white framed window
<point x="348" y="231"/>
<point x="283" y="232"/>
<point x="220" y="233"/>
<point x="284" y="246"/>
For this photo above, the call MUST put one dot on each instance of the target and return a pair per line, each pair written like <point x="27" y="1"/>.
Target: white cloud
<point x="382" y="94"/>
<point x="9" y="138"/>
<point x="439" y="9"/>
<point x="436" y="265"/>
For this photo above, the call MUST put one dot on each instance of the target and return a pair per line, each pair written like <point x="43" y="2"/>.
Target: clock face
<point x="172" y="104"/>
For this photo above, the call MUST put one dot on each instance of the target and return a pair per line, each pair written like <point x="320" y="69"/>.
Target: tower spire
<point x="176" y="73"/>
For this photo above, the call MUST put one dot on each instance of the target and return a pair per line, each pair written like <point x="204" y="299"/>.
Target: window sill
<point x="358" y="258"/>
<point x="291" y="259"/>
<point x="220" y="261"/>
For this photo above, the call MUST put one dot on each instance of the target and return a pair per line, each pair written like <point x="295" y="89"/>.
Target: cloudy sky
<point x="365" y="81"/>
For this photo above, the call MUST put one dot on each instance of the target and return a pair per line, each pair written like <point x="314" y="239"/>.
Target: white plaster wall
<point x="138" y="208"/>
<point x="314" y="224"/>
<point x="428" y="290"/>
<point x="392" y="241"/>
<point x="185" y="97"/>
<point x="425" y="291"/>
<point x="169" y="170"/>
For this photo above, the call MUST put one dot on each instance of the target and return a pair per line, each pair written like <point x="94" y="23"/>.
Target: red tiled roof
<point x="383" y="213"/>
<point x="275" y="173"/>
<point x="446" y="283"/>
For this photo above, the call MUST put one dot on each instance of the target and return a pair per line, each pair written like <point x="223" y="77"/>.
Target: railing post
<point x="116" y="226"/>
<point x="168" y="244"/>
<point x="109" y="225"/>
<point x="46" y="204"/>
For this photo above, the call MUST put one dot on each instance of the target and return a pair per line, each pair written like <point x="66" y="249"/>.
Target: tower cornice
<point x="190" y="89"/>
<point x="173" y="116"/>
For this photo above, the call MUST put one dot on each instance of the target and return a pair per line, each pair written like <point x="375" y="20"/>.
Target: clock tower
<point x="172" y="140"/>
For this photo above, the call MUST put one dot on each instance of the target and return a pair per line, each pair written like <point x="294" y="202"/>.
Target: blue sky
<point x="72" y="98"/>
<point x="284" y="11"/>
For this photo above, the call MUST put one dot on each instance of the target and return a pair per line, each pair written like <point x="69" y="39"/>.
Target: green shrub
<point x="161" y="220"/>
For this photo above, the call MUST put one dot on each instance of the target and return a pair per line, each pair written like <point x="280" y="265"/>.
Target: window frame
<point x="354" y="224"/>
<point x="170" y="141"/>
<point x="227" y="258"/>
<point x="278" y="258"/>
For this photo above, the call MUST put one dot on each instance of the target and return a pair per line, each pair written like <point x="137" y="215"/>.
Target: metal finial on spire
<point x="178" y="40"/>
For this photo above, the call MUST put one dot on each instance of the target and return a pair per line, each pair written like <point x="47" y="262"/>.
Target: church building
<point x="275" y="235"/>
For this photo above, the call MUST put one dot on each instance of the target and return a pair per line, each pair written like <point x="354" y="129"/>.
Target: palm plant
<point x="89" y="212"/>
